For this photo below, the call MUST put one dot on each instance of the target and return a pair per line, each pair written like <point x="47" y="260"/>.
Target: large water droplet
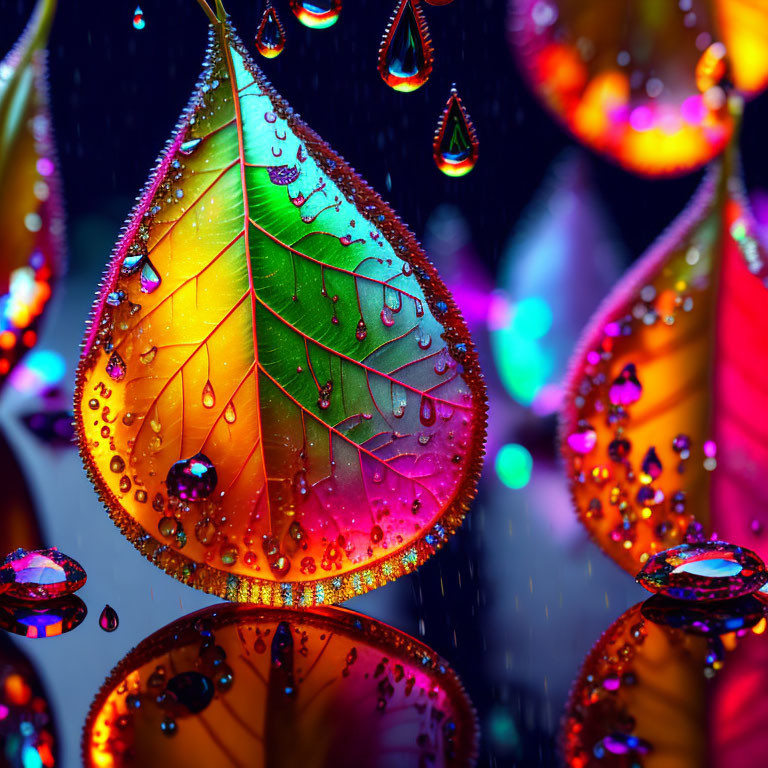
<point x="192" y="479"/>
<point x="427" y="411"/>
<point x="138" y="18"/>
<point x="316" y="14"/>
<point x="149" y="279"/>
<point x="270" y="36"/>
<point x="405" y="56"/>
<point x="583" y="440"/>
<point x="44" y="618"/>
<point x="707" y="570"/>
<point x="189" y="146"/>
<point x="40" y="574"/>
<point x="626" y="388"/>
<point x="116" y="367"/>
<point x="209" y="396"/>
<point x="109" y="620"/>
<point x="386" y="317"/>
<point x="455" y="149"/>
<point x="192" y="690"/>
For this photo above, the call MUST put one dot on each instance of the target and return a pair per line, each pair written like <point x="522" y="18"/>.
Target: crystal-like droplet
<point x="109" y="620"/>
<point x="316" y="14"/>
<point x="455" y="148"/>
<point x="230" y="415"/>
<point x="149" y="279"/>
<point x="270" y="36"/>
<point x="405" y="56"/>
<point x="626" y="388"/>
<point x="707" y="570"/>
<point x="138" y="18"/>
<point x="192" y="479"/>
<point x="40" y="574"/>
<point x="191" y="690"/>
<point x="116" y="367"/>
<point x="209" y="396"/>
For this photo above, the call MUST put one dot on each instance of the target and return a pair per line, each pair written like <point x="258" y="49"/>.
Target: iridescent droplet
<point x="40" y="574"/>
<point x="149" y="279"/>
<point x="316" y="14"/>
<point x="270" y="36"/>
<point x="116" y="367"/>
<point x="405" y="56"/>
<point x="189" y="146"/>
<point x="109" y="620"/>
<point x="427" y="412"/>
<point x="191" y="690"/>
<point x="192" y="479"/>
<point x="230" y="415"/>
<point x="455" y="149"/>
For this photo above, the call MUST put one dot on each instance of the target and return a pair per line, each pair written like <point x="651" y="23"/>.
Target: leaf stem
<point x="208" y="11"/>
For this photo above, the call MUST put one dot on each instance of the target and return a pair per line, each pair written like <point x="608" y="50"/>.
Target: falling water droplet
<point x="116" y="367"/>
<point x="362" y="331"/>
<point x="386" y="317"/>
<point x="427" y="411"/>
<point x="150" y="280"/>
<point x="138" y="18"/>
<point x="406" y="56"/>
<point x="108" y="620"/>
<point x="192" y="479"/>
<point x="209" y="396"/>
<point x="316" y="14"/>
<point x="270" y="36"/>
<point x="230" y="415"/>
<point x="456" y="147"/>
<point x="393" y="298"/>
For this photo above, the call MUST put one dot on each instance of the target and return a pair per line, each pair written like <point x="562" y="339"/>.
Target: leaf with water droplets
<point x="283" y="678"/>
<point x="297" y="346"/>
<point x="31" y="221"/>
<point x="655" y="99"/>
<point x="670" y="376"/>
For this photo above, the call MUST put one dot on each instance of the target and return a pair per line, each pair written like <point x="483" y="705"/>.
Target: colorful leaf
<point x="245" y="686"/>
<point x="664" y="428"/>
<point x="644" y="82"/>
<point x="288" y="412"/>
<point x="31" y="222"/>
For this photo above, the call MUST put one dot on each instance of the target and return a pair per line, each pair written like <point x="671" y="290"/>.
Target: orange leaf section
<point x="645" y="682"/>
<point x="642" y="81"/>
<point x="664" y="431"/>
<point x="276" y="688"/>
<point x="278" y="400"/>
<point x="31" y="221"/>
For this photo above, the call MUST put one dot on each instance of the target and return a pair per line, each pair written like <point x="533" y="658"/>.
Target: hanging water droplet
<point x="386" y="317"/>
<point x="405" y="56"/>
<point x="583" y="440"/>
<point x="399" y="400"/>
<point x="393" y="298"/>
<point x="316" y="14"/>
<point x="150" y="280"/>
<point x="138" y="18"/>
<point x="192" y="479"/>
<point x="209" y="396"/>
<point x="427" y="411"/>
<point x="270" y="36"/>
<point x="441" y="362"/>
<point x="455" y="149"/>
<point x="419" y="306"/>
<point x="423" y="339"/>
<point x="116" y="367"/>
<point x="362" y="331"/>
<point x="109" y="620"/>
<point x="230" y="415"/>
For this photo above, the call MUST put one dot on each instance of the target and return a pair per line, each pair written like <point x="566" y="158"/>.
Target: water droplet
<point x="191" y="690"/>
<point x="189" y="146"/>
<point x="108" y="620"/>
<point x="116" y="367"/>
<point x="386" y="317"/>
<point x="117" y="464"/>
<point x="40" y="574"/>
<point x="192" y="479"/>
<point x="230" y="415"/>
<point x="150" y="280"/>
<point x="707" y="570"/>
<point x="626" y="388"/>
<point x="270" y="36"/>
<point x="584" y="439"/>
<point x="393" y="299"/>
<point x="455" y="148"/>
<point x="316" y="14"/>
<point x="138" y="18"/>
<point x="405" y="56"/>
<point x="651" y="464"/>
<point x="362" y="331"/>
<point x="209" y="396"/>
<point x="427" y="412"/>
<point x="148" y="356"/>
<point x="399" y="400"/>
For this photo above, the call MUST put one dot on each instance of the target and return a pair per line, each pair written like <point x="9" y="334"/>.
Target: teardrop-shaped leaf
<point x="274" y="363"/>
<point x="31" y="221"/>
<point x="645" y="83"/>
<point x="275" y="688"/>
<point x="665" y="432"/>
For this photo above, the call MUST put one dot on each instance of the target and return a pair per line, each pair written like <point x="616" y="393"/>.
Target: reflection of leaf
<point x="316" y="688"/>
<point x="31" y="224"/>
<point x="666" y="421"/>
<point x="265" y="309"/>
